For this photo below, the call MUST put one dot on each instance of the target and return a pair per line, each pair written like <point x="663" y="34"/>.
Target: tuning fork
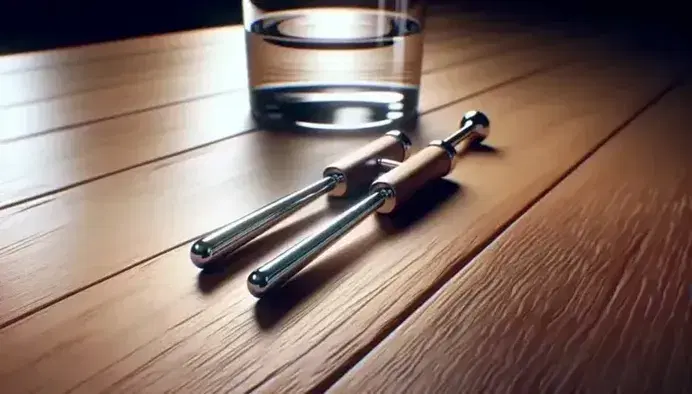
<point x="339" y="179"/>
<point x="386" y="194"/>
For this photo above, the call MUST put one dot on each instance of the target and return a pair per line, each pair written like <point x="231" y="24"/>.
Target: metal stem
<point x="283" y="267"/>
<point x="238" y="233"/>
<point x="466" y="131"/>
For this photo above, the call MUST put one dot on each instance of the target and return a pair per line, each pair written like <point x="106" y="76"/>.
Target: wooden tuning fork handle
<point x="358" y="168"/>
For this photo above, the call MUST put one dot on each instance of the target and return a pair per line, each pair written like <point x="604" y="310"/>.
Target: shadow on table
<point x="275" y="306"/>
<point x="484" y="149"/>
<point x="428" y="199"/>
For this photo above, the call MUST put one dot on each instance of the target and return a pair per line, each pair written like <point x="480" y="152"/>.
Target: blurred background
<point x="27" y="25"/>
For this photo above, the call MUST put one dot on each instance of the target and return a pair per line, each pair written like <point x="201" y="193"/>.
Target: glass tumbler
<point x="347" y="65"/>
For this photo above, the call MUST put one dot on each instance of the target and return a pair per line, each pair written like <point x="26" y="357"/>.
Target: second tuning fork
<point x="339" y="179"/>
<point x="387" y="193"/>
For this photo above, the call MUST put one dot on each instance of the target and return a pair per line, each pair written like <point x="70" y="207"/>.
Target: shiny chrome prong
<point x="236" y="234"/>
<point x="338" y="179"/>
<point x="283" y="267"/>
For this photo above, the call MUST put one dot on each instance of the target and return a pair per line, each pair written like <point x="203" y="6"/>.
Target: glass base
<point x="335" y="108"/>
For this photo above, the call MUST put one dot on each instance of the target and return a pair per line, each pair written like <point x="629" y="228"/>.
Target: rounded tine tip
<point x="257" y="283"/>
<point x="200" y="254"/>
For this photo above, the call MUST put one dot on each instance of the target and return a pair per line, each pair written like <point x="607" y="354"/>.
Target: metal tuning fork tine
<point x="339" y="179"/>
<point x="387" y="193"/>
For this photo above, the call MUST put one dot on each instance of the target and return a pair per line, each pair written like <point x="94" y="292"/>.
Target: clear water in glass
<point x="334" y="65"/>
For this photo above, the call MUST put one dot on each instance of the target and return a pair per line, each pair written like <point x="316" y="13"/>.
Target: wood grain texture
<point x="41" y="101"/>
<point x="247" y="160"/>
<point x="590" y="291"/>
<point x="171" y="42"/>
<point x="107" y="51"/>
<point x="227" y="50"/>
<point x="160" y="325"/>
<point x="85" y="153"/>
<point x="170" y="87"/>
<point x="41" y="84"/>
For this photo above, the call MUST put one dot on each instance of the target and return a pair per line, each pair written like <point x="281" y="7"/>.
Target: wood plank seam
<point x="522" y="41"/>
<point x="231" y="91"/>
<point x="104" y="278"/>
<point x="180" y="244"/>
<point x="635" y="249"/>
<point x="104" y="87"/>
<point x="47" y="193"/>
<point x="225" y="43"/>
<point x="389" y="320"/>
<point x="100" y="59"/>
<point x="122" y="270"/>
<point x="518" y="78"/>
<point x="116" y="116"/>
<point x="444" y="97"/>
<point x="200" y="38"/>
<point x="69" y="186"/>
<point x="436" y="288"/>
<point x="213" y="30"/>
<point x="501" y="49"/>
<point x="125" y="41"/>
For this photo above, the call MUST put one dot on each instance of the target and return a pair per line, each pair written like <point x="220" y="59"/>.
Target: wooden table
<point x="558" y="261"/>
